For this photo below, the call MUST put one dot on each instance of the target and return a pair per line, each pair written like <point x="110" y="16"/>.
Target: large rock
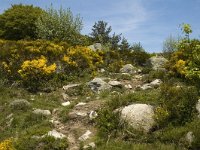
<point x="95" y="47"/>
<point x="20" y="104"/>
<point x="157" y="62"/>
<point x="128" y="68"/>
<point x="97" y="85"/>
<point x="139" y="116"/>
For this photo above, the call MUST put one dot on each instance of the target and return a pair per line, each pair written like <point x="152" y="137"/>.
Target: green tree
<point x="18" y="22"/>
<point x="100" y="32"/>
<point x="137" y="47"/>
<point x="59" y="24"/>
<point x="186" y="28"/>
<point x="169" y="46"/>
<point x="124" y="44"/>
<point x="114" y="41"/>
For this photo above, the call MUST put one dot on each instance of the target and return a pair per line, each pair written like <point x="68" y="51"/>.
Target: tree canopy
<point x="18" y="22"/>
<point x="59" y="24"/>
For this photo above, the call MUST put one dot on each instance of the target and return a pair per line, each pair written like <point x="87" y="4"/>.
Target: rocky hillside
<point x="126" y="110"/>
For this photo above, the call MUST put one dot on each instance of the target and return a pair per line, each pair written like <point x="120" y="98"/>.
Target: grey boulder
<point x="139" y="116"/>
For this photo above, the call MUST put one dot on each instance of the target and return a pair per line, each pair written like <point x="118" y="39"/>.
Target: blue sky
<point x="147" y="21"/>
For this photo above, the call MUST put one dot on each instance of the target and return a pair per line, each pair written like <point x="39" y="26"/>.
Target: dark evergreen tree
<point x="124" y="44"/>
<point x="100" y="32"/>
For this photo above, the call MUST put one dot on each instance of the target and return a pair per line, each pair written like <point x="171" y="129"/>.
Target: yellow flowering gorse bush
<point x="6" y="145"/>
<point x="36" y="69"/>
<point x="81" y="57"/>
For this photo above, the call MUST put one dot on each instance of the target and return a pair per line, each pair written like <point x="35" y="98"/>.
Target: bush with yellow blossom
<point x="81" y="58"/>
<point x="6" y="145"/>
<point x="35" y="71"/>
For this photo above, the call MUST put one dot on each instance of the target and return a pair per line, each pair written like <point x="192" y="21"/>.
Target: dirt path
<point x="78" y="124"/>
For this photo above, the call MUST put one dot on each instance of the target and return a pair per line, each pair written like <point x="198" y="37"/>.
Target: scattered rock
<point x="128" y="86"/>
<point x="138" y="77"/>
<point x="66" y="87"/>
<point x="36" y="137"/>
<point x="90" y="145"/>
<point x="128" y="68"/>
<point x="56" y="134"/>
<point x="10" y="119"/>
<point x="139" y="116"/>
<point x="65" y="96"/>
<point x="198" y="107"/>
<point x="189" y="137"/>
<point x="156" y="83"/>
<point x="102" y="70"/>
<point x="42" y="112"/>
<point x="20" y="104"/>
<point x="81" y="104"/>
<point x="146" y="86"/>
<point x="115" y="84"/>
<point x="157" y="62"/>
<point x="82" y="114"/>
<point x="66" y="103"/>
<point x="93" y="115"/>
<point x="55" y="122"/>
<point x="97" y="85"/>
<point x="95" y="47"/>
<point x="85" y="136"/>
<point x="32" y="97"/>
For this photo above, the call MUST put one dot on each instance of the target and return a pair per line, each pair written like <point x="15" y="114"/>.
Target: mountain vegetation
<point x="61" y="90"/>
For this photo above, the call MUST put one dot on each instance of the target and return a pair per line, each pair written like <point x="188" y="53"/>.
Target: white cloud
<point x="127" y="15"/>
<point x="124" y="16"/>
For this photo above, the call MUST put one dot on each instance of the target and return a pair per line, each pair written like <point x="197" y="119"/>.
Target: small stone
<point x="66" y="87"/>
<point x="190" y="137"/>
<point x="102" y="70"/>
<point x="82" y="114"/>
<point x="85" y="136"/>
<point x="90" y="145"/>
<point x="138" y="77"/>
<point x="115" y="83"/>
<point x="93" y="115"/>
<point x="65" y="96"/>
<point x="56" y="134"/>
<point x="55" y="122"/>
<point x="146" y="86"/>
<point x="88" y="98"/>
<point x="156" y="82"/>
<point x="128" y="86"/>
<point x="66" y="103"/>
<point x="81" y="104"/>
<point x="32" y="97"/>
<point x="198" y="108"/>
<point x="9" y="116"/>
<point x="42" y="112"/>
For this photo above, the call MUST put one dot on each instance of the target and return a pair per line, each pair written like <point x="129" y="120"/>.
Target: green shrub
<point x="108" y="123"/>
<point x="161" y="116"/>
<point x="45" y="143"/>
<point x="180" y="102"/>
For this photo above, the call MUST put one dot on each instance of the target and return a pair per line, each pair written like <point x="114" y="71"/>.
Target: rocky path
<point x="80" y="126"/>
